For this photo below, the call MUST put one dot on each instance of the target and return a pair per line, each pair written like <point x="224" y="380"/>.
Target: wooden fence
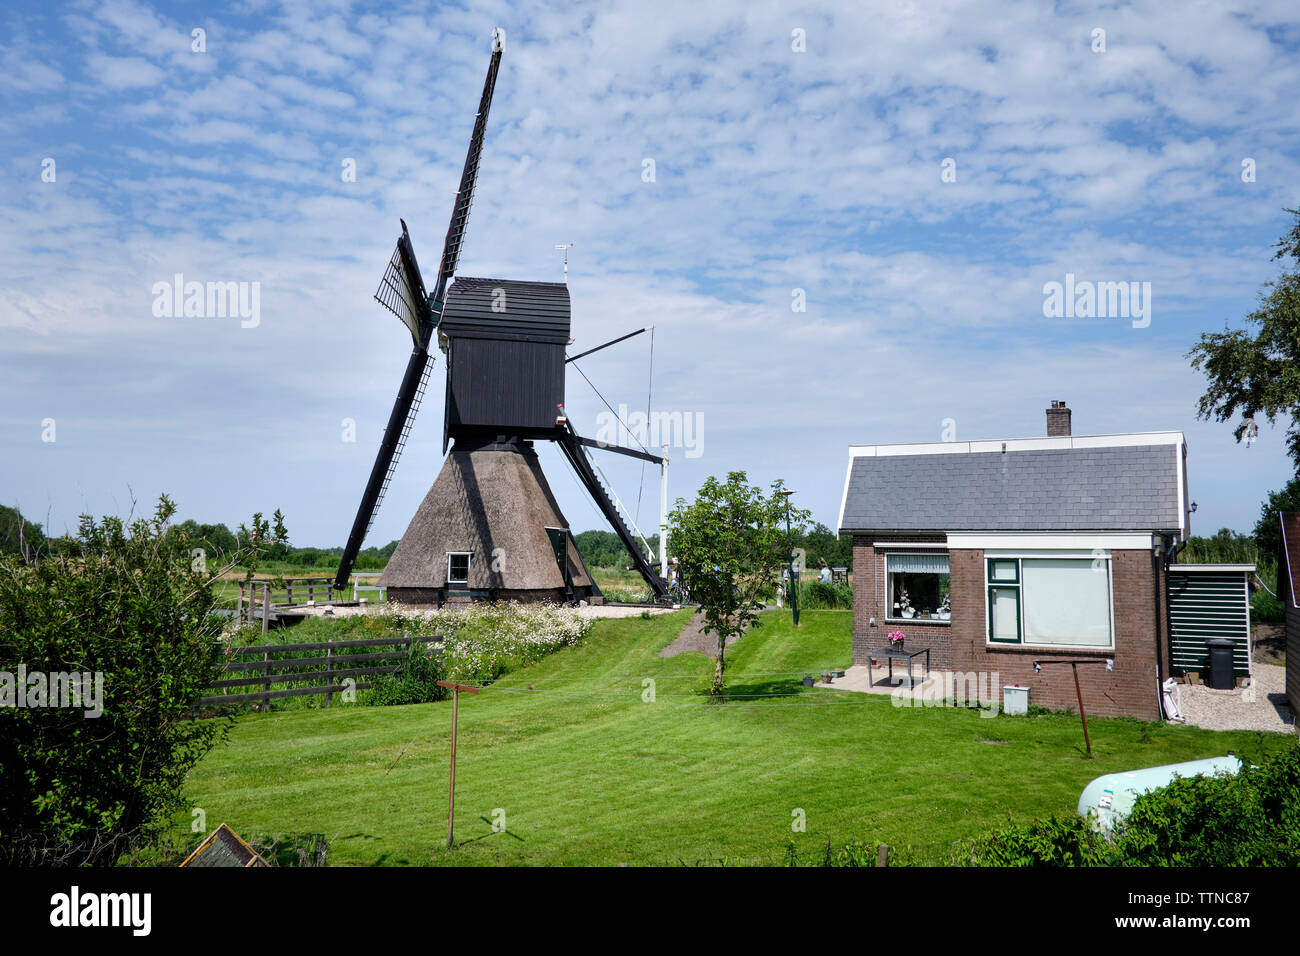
<point x="266" y="664"/>
<point x="259" y="597"/>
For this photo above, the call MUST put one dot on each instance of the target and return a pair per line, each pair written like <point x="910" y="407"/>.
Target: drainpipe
<point x="1160" y="598"/>
<point x="1161" y="559"/>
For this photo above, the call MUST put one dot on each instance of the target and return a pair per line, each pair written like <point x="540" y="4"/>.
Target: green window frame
<point x="1020" y="629"/>
<point x="993" y="576"/>
<point x="1006" y="576"/>
<point x="998" y="580"/>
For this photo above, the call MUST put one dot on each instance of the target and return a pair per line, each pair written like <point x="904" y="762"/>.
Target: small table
<point x="898" y="654"/>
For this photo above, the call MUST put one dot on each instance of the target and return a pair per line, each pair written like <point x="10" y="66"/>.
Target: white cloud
<point x="122" y="72"/>
<point x="775" y="170"/>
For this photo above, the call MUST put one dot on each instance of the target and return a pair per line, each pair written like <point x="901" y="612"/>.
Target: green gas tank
<point x="1111" y="796"/>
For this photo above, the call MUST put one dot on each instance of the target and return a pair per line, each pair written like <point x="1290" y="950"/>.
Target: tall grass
<point x="820" y="596"/>
<point x="1265" y="605"/>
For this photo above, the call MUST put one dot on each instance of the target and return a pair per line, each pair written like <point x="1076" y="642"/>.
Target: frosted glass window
<point x="1003" y="570"/>
<point x="1067" y="601"/>
<point x="1005" y="614"/>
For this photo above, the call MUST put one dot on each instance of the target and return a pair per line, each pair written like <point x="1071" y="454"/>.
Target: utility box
<point x="1015" y="699"/>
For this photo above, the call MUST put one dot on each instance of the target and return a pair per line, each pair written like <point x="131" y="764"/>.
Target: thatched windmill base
<point x="491" y="502"/>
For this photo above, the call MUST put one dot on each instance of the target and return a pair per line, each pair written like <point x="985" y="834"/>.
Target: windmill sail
<point x="402" y="292"/>
<point x="468" y="176"/>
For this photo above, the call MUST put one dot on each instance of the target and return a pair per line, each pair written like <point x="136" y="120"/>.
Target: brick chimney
<point x="1058" y="420"/>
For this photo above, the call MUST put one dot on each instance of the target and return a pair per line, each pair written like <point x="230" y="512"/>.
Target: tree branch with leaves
<point x="1258" y="374"/>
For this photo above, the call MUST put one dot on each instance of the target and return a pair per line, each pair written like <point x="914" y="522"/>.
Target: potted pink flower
<point x="896" y="640"/>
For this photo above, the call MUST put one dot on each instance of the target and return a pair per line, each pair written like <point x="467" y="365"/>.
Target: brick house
<point x="996" y="553"/>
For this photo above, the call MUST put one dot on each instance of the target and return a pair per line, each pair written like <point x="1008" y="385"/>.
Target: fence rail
<point x="255" y="596"/>
<point x="272" y="669"/>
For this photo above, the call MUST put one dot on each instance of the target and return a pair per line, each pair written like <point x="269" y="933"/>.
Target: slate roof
<point x="1126" y="487"/>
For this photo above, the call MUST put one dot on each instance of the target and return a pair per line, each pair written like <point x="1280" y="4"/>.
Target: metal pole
<point x="1082" y="716"/>
<point x="663" y="515"/>
<point x="789" y="545"/>
<point x="451" y="790"/>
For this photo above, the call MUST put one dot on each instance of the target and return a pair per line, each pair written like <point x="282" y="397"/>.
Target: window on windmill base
<point x="918" y="587"/>
<point x="458" y="567"/>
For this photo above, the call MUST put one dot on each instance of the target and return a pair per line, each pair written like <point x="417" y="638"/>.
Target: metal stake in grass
<point x="451" y="790"/>
<point x="1074" y="666"/>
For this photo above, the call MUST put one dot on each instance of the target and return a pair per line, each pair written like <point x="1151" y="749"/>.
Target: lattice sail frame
<point x="401" y="290"/>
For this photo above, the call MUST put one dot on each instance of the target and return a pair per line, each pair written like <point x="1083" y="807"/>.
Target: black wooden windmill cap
<point x="505" y="357"/>
<point x="507" y="309"/>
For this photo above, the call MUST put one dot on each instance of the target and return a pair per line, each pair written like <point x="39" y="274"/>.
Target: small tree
<point x="1258" y="374"/>
<point x="730" y="544"/>
<point x="262" y="540"/>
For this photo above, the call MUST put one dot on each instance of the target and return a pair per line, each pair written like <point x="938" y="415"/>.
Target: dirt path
<point x="1269" y="643"/>
<point x="693" y="639"/>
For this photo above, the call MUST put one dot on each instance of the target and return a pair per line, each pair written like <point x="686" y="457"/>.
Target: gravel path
<point x="618" y="610"/>
<point x="1259" y="706"/>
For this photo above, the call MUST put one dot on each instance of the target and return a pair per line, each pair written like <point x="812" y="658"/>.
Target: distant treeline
<point x="217" y="540"/>
<point x="599" y="549"/>
<point x="1260" y="549"/>
<point x="603" y="549"/>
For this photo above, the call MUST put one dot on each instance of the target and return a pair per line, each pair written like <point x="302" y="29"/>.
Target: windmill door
<point x="560" y="545"/>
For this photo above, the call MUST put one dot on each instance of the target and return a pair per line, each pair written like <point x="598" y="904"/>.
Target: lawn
<point x="586" y="771"/>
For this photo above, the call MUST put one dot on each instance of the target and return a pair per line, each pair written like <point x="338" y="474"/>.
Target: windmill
<point x="489" y="527"/>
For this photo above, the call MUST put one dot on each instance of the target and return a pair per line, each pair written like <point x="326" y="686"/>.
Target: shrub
<point x="1266" y="608"/>
<point x="126" y="603"/>
<point x="415" y="683"/>
<point x="1248" y="819"/>
<point x="483" y="641"/>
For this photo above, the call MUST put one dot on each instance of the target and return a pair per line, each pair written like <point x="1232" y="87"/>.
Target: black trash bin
<point x="1221" y="650"/>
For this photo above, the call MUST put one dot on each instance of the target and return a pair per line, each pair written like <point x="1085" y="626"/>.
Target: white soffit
<point x="1018" y="444"/>
<point x="1053" y="541"/>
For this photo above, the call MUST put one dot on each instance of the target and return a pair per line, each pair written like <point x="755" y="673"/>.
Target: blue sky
<point x="776" y="169"/>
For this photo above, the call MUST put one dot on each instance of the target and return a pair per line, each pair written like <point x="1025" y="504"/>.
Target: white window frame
<point x="889" y="603"/>
<point x="1018" y="556"/>
<point x="469" y="564"/>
